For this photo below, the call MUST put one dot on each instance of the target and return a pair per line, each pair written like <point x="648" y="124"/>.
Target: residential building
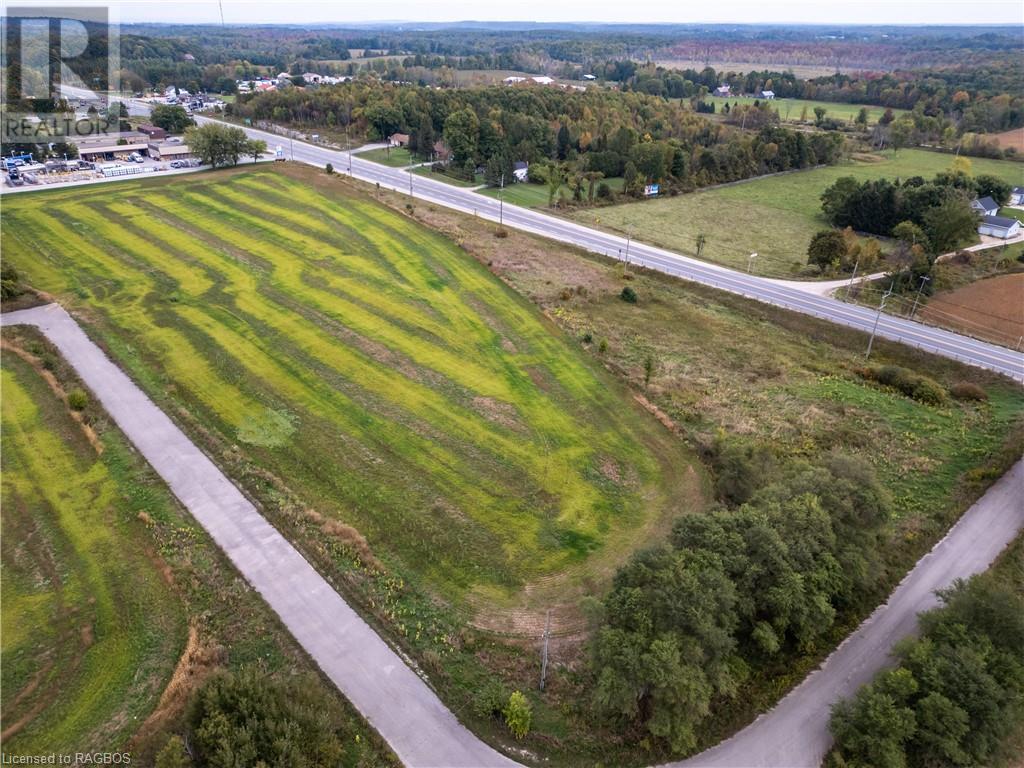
<point x="723" y="90"/>
<point x="986" y="206"/>
<point x="398" y="139"/>
<point x="999" y="226"/>
<point x="520" y="169"/>
<point x="769" y="95"/>
<point x="1017" y="196"/>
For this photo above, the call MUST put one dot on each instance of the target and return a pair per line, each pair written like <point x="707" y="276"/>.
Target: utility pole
<point x="410" y="184"/>
<point x="544" y="653"/>
<point x="750" y="262"/>
<point x="501" y="207"/>
<point x="924" y="279"/>
<point x="627" y="247"/>
<point x="849" y="288"/>
<point x="878" y="316"/>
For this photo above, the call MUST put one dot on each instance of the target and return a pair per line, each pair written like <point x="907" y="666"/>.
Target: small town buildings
<point x="441" y="152"/>
<point x="986" y="206"/>
<point x="590" y="77"/>
<point x="520" y="169"/>
<point x="543" y="80"/>
<point x="154" y="132"/>
<point x="165" y="152"/>
<point x="398" y="139"/>
<point x="769" y="95"/>
<point x="312" y="78"/>
<point x="723" y="90"/>
<point x="1017" y="196"/>
<point x="97" y="153"/>
<point x="513" y="80"/>
<point x="999" y="226"/>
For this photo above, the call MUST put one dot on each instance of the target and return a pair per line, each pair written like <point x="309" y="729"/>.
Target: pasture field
<point x="91" y="631"/>
<point x="790" y="110"/>
<point x="800" y="70"/>
<point x="776" y="217"/>
<point x="992" y="309"/>
<point x="396" y="157"/>
<point x="363" y="367"/>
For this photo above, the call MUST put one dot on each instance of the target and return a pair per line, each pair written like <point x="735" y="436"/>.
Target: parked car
<point x="31" y="178"/>
<point x="135" y="157"/>
<point x="177" y="163"/>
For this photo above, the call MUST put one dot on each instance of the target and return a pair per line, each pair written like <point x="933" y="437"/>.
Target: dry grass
<point x="991" y="308"/>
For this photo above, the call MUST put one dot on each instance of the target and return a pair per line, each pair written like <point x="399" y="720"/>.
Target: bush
<point x="489" y="700"/>
<point x="911" y="384"/>
<point x="604" y="192"/>
<point x="967" y="390"/>
<point x="518" y="714"/>
<point x="628" y="295"/>
<point x="329" y="169"/>
<point x="741" y="467"/>
<point x="77" y="400"/>
<point x="10" y="282"/>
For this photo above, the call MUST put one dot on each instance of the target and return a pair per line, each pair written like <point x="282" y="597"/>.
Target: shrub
<point x="628" y="295"/>
<point x="10" y="282"/>
<point x="501" y="233"/>
<point x="588" y="337"/>
<point x="911" y="384"/>
<point x="77" y="400"/>
<point x="518" y="714"/>
<point x="604" y="192"/>
<point x="489" y="700"/>
<point x="329" y="169"/>
<point x="967" y="390"/>
<point x="602" y="347"/>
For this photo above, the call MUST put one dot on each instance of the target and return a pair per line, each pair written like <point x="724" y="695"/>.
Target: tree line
<point x="642" y="138"/>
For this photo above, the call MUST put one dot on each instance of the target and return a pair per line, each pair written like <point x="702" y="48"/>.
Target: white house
<point x="543" y="80"/>
<point x="769" y="95"/>
<point x="1017" y="196"/>
<point x="312" y="78"/>
<point x="723" y="90"/>
<point x="513" y="80"/>
<point x="590" y="77"/>
<point x="999" y="226"/>
<point x="520" y="170"/>
<point x="986" y="206"/>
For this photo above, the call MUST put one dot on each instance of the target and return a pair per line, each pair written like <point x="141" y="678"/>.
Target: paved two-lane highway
<point x="928" y="338"/>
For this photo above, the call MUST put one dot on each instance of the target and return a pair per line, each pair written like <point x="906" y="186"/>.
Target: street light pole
<point x="878" y="316"/>
<point x="627" y="247"/>
<point x="852" y="278"/>
<point x="750" y="262"/>
<point x="501" y="202"/>
<point x="924" y="279"/>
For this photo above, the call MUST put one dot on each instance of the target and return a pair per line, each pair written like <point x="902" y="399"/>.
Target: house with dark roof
<point x="999" y="226"/>
<point x="986" y="206"/>
<point x="1017" y="196"/>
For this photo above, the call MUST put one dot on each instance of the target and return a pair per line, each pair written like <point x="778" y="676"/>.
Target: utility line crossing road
<point x="778" y="293"/>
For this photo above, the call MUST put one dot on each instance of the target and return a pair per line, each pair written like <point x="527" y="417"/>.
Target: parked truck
<point x="279" y="153"/>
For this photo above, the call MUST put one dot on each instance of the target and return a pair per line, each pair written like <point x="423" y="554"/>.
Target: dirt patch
<point x="497" y="411"/>
<point x="1012" y="138"/>
<point x="659" y="414"/>
<point x="348" y="536"/>
<point x="991" y="309"/>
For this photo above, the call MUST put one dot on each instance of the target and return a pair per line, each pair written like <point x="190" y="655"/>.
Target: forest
<point x="641" y="137"/>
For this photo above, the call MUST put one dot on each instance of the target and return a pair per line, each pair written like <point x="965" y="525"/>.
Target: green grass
<point x="1012" y="213"/>
<point x="396" y="157"/>
<point x="790" y="110"/>
<point x="425" y="170"/>
<point x="774" y="217"/>
<point x="388" y="380"/>
<point x="90" y="630"/>
<point x="536" y="195"/>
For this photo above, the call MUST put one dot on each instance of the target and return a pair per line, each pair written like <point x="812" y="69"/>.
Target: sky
<point x="1004" y="12"/>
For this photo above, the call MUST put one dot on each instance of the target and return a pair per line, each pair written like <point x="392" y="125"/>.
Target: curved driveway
<point x="392" y="697"/>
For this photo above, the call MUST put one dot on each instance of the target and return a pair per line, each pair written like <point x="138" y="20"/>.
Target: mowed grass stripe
<point x="119" y="622"/>
<point x="421" y="399"/>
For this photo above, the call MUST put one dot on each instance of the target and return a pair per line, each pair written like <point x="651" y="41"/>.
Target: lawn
<point x="774" y="217"/>
<point x="791" y="110"/>
<point x="425" y="170"/>
<point x="91" y="632"/>
<point x="396" y="157"/>
<point x="536" y="195"/>
<point x="358" y="362"/>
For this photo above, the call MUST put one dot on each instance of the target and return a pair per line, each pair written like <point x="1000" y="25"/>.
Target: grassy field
<point x="91" y="632"/>
<point x="396" y="157"/>
<point x="790" y="110"/>
<point x="358" y="359"/>
<point x="723" y="364"/>
<point x="774" y="217"/>
<point x="103" y="572"/>
<point x="536" y="195"/>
